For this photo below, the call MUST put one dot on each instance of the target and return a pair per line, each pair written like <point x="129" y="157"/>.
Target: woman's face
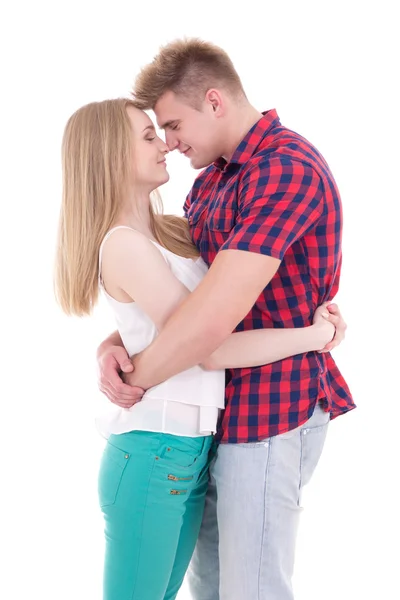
<point x="149" y="165"/>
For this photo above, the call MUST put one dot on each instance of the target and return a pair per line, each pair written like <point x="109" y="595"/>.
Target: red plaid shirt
<point x="276" y="197"/>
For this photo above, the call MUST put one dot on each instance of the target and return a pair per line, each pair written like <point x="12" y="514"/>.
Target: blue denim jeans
<point x="245" y="550"/>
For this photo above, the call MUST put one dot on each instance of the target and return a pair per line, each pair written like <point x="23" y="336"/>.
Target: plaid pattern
<point x="276" y="197"/>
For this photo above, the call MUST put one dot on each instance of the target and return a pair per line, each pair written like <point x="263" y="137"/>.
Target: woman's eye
<point x="150" y="139"/>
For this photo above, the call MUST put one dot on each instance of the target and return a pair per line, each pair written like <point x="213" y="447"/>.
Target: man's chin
<point x="195" y="163"/>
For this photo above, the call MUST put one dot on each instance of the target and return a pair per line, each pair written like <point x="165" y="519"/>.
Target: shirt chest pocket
<point x="196" y="213"/>
<point x="221" y="220"/>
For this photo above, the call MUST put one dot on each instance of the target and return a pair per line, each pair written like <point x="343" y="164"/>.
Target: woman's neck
<point x="136" y="214"/>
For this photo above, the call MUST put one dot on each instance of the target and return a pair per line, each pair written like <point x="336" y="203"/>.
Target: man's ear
<point x="216" y="102"/>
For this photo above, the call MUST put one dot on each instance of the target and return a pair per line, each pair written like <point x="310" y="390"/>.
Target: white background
<point x="330" y="70"/>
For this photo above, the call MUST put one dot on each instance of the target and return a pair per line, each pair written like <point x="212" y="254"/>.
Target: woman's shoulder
<point x="127" y="245"/>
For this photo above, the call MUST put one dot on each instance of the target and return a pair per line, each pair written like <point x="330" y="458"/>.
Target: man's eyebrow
<point x="149" y="127"/>
<point x="168" y="124"/>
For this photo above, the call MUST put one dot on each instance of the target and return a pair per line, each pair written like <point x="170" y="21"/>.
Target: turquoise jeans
<point x="152" y="489"/>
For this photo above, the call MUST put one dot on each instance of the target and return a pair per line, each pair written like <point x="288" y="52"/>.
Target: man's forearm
<point x="113" y="340"/>
<point x="186" y="340"/>
<point x="207" y="317"/>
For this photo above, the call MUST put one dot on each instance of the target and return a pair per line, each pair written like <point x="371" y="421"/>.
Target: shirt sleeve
<point x="279" y="200"/>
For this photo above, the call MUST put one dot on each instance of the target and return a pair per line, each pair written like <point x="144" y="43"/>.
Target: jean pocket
<point x="183" y="459"/>
<point x="195" y="213"/>
<point x="312" y="444"/>
<point x="251" y="445"/>
<point x="112" y="467"/>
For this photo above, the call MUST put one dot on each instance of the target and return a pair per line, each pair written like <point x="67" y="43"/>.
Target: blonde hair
<point x="97" y="156"/>
<point x="189" y="68"/>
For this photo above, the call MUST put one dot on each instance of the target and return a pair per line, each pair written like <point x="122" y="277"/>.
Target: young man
<point x="266" y="216"/>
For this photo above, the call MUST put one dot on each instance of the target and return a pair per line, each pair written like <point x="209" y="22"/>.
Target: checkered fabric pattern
<point x="276" y="196"/>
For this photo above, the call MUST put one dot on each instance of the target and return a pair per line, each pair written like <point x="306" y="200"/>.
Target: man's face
<point x="195" y="133"/>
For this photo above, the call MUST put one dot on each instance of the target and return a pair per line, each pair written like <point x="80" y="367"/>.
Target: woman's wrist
<point x="321" y="333"/>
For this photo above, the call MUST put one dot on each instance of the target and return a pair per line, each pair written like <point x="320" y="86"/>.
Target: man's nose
<point x="171" y="141"/>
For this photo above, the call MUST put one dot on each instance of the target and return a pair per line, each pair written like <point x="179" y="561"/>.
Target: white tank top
<point x="188" y="403"/>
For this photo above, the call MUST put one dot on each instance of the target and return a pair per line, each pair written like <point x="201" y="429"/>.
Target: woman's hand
<point x="329" y="326"/>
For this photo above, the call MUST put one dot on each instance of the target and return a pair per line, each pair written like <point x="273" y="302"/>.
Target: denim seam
<point x="302" y="440"/>
<point x="266" y="492"/>
<point x="142" y="524"/>
<point x="108" y="505"/>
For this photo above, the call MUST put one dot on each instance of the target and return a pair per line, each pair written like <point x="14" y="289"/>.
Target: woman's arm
<point x="133" y="269"/>
<point x="263" y="346"/>
<point x="132" y="264"/>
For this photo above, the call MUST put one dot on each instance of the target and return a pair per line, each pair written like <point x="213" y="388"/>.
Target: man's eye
<point x="174" y="127"/>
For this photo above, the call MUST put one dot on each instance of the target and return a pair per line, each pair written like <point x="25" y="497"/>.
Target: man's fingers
<point x="110" y="377"/>
<point x="123" y="402"/>
<point x="119" y="389"/>
<point x="127" y="367"/>
<point x="122" y="389"/>
<point x="113" y="367"/>
<point x="122" y="359"/>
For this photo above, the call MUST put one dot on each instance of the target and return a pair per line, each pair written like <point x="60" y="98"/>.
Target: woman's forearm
<point x="263" y="346"/>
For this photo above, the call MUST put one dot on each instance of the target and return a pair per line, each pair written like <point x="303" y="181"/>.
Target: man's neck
<point x="240" y="122"/>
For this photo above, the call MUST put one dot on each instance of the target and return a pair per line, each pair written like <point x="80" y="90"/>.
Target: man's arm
<point x="207" y="317"/>
<point x="112" y="359"/>
<point x="279" y="200"/>
<point x="113" y="340"/>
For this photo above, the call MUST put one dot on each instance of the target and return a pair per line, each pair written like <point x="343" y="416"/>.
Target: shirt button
<point x="126" y="455"/>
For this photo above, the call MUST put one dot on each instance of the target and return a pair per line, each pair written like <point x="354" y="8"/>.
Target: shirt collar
<point x="248" y="146"/>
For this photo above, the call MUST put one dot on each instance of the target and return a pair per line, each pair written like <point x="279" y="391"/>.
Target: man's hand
<point x="128" y="377"/>
<point x="337" y="320"/>
<point x="113" y="363"/>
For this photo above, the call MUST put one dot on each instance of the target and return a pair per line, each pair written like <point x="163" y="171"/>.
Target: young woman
<point x="153" y="475"/>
